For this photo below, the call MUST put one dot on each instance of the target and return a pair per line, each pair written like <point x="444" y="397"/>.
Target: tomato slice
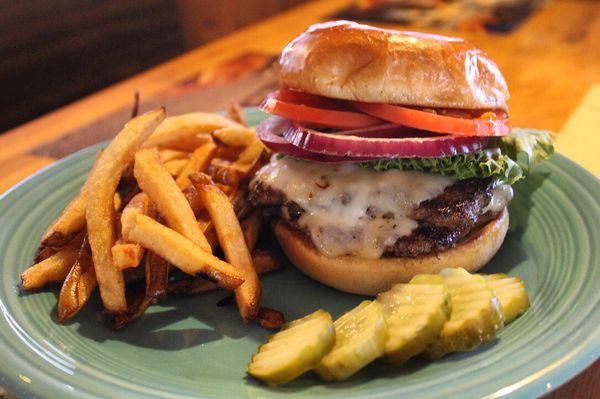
<point x="457" y="122"/>
<point x="303" y="107"/>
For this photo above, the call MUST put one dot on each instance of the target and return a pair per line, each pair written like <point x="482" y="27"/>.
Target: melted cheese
<point x="351" y="210"/>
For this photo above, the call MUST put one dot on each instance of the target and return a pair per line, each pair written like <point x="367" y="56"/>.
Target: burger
<point x="393" y="155"/>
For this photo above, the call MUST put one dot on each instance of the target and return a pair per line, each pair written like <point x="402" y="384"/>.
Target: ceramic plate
<point x="189" y="347"/>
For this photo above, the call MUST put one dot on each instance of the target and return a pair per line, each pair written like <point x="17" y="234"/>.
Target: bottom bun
<point x="372" y="276"/>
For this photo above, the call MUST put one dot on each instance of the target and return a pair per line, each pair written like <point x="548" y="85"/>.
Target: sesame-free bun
<point x="372" y="276"/>
<point x="350" y="61"/>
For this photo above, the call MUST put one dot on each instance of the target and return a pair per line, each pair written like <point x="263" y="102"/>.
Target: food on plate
<point x="414" y="315"/>
<point x="360" y="337"/>
<point x="138" y="218"/>
<point x="511" y="294"/>
<point x="433" y="315"/>
<point x="294" y="350"/>
<point x="394" y="155"/>
<point x="100" y="212"/>
<point x="231" y="239"/>
<point x="475" y="315"/>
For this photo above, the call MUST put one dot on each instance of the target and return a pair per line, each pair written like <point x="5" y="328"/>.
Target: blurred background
<point x="53" y="52"/>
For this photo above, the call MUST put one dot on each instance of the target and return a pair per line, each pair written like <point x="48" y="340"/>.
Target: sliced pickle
<point x="414" y="315"/>
<point x="297" y="348"/>
<point x="360" y="337"/>
<point x="475" y="316"/>
<point x="511" y="293"/>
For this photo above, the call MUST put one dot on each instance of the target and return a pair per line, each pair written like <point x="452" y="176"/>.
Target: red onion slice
<point x="343" y="145"/>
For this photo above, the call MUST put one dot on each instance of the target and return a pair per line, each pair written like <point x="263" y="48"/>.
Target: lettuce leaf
<point x="509" y="160"/>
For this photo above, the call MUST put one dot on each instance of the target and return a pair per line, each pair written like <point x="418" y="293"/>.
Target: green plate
<point x="189" y="347"/>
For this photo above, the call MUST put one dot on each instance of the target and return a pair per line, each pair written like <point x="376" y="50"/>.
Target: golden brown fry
<point x="185" y="126"/>
<point x="250" y="156"/>
<point x="53" y="269"/>
<point x="235" y="136"/>
<point x="175" y="166"/>
<point x="232" y="242"/>
<point x="187" y="144"/>
<point x="78" y="285"/>
<point x="72" y="219"/>
<point x="227" y="175"/>
<point x="191" y="195"/>
<point x="44" y="253"/>
<point x="168" y="154"/>
<point x="140" y="204"/>
<point x="228" y="153"/>
<point x="251" y="227"/>
<point x="270" y="318"/>
<point x="236" y="114"/>
<point x="197" y="162"/>
<point x="182" y="253"/>
<point x="265" y="262"/>
<point x="100" y="213"/>
<point x="172" y="205"/>
<point x="127" y="254"/>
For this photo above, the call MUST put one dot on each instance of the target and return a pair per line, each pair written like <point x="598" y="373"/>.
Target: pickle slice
<point x="475" y="316"/>
<point x="360" y="337"/>
<point x="414" y="315"/>
<point x="511" y="293"/>
<point x="297" y="348"/>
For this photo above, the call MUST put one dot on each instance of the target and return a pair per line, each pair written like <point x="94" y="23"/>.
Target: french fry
<point x="100" y="210"/>
<point x="187" y="144"/>
<point x="228" y="153"/>
<point x="232" y="242"/>
<point x="168" y="154"/>
<point x="225" y="174"/>
<point x="191" y="195"/>
<point x="182" y="253"/>
<point x="235" y="136"/>
<point x="140" y="204"/>
<point x="44" y="253"/>
<point x="185" y="126"/>
<point x="251" y="227"/>
<point x="270" y="318"/>
<point x="236" y="114"/>
<point x="72" y="219"/>
<point x="53" y="269"/>
<point x="265" y="262"/>
<point x="175" y="166"/>
<point x="197" y="162"/>
<point x="126" y="254"/>
<point x="172" y="205"/>
<point x="250" y="157"/>
<point x="78" y="285"/>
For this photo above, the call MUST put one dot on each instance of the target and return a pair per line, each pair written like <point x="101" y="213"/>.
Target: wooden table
<point x="551" y="63"/>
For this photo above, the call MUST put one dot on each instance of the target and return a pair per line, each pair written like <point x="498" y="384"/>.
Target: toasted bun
<point x="351" y="61"/>
<point x="372" y="276"/>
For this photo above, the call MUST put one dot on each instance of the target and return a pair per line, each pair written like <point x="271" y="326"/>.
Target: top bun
<point x="350" y="61"/>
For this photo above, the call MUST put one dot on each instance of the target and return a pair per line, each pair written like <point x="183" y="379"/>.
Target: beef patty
<point x="443" y="221"/>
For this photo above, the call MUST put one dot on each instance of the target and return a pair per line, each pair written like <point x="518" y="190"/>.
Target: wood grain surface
<point x="550" y="62"/>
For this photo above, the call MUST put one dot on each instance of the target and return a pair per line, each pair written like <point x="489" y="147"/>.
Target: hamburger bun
<point x="351" y="61"/>
<point x="372" y="276"/>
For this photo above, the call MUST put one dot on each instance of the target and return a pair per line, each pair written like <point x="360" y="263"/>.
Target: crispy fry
<point x="270" y="318"/>
<point x="100" y="210"/>
<point x="182" y="253"/>
<point x="72" y="219"/>
<point x="187" y="144"/>
<point x="251" y="227"/>
<point x="228" y="153"/>
<point x="232" y="242"/>
<point x="227" y="175"/>
<point x="191" y="195"/>
<point x="265" y="262"/>
<point x="78" y="285"/>
<point x="197" y="162"/>
<point x="168" y="198"/>
<point x="236" y="114"/>
<point x="53" y="269"/>
<point x="168" y="154"/>
<point x="44" y="253"/>
<point x="175" y="166"/>
<point x="126" y="254"/>
<point x="184" y="126"/>
<point x="235" y="136"/>
<point x="250" y="156"/>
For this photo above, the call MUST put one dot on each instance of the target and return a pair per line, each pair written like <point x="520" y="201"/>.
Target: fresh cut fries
<point x="182" y="253"/>
<point x="235" y="136"/>
<point x="78" y="285"/>
<point x="175" y="166"/>
<point x="233" y="244"/>
<point x="172" y="205"/>
<point x="198" y="161"/>
<point x="100" y="209"/>
<point x="185" y="126"/>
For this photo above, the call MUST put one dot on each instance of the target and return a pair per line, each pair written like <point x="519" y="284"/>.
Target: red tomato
<point x="457" y="122"/>
<point x="318" y="110"/>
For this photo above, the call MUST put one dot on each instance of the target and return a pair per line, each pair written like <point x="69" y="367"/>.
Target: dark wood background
<point x="53" y="52"/>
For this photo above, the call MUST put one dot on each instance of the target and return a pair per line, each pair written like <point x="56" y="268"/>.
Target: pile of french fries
<point x="159" y="200"/>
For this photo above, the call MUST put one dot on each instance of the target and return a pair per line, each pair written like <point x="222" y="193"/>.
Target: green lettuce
<point x="509" y="159"/>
